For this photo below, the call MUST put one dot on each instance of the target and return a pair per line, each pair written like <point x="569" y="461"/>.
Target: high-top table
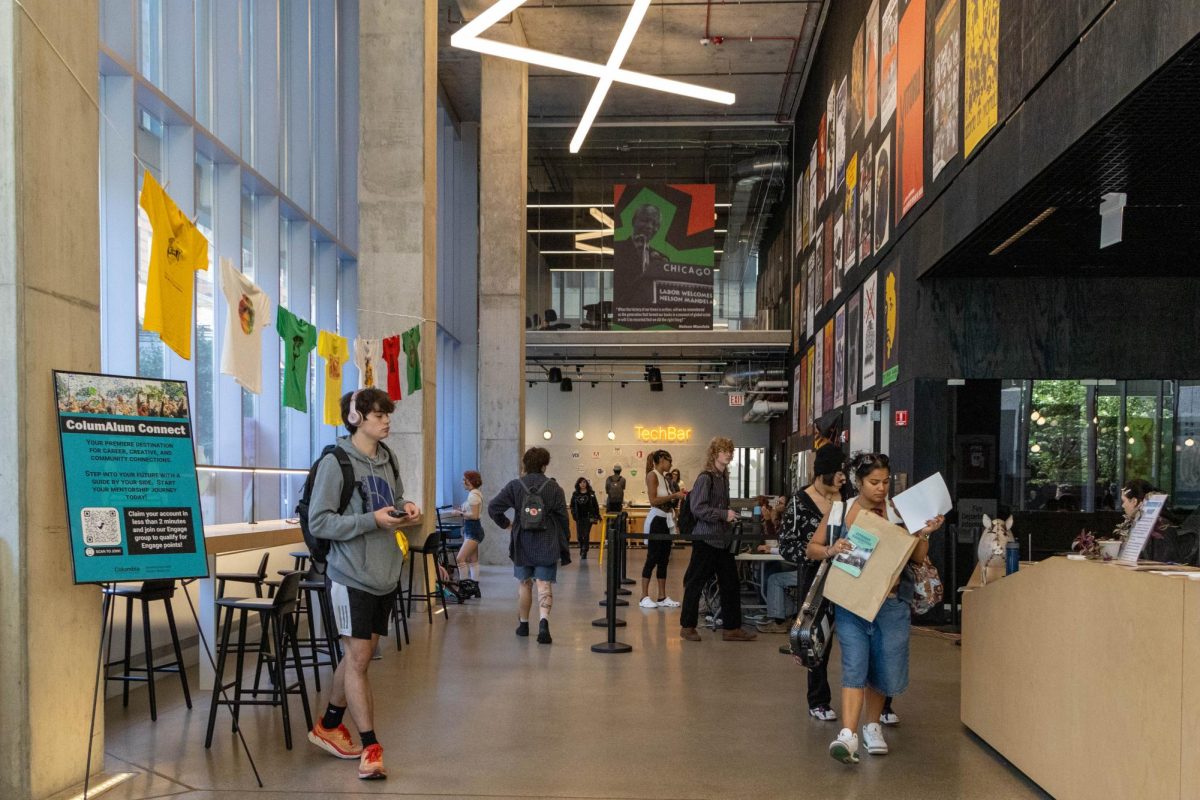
<point x="1086" y="676"/>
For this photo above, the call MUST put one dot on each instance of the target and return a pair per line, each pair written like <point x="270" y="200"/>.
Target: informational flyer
<point x="129" y="468"/>
<point x="852" y="562"/>
<point x="1152" y="506"/>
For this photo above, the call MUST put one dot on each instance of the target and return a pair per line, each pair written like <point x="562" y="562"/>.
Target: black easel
<point x="107" y="612"/>
<point x="616" y="543"/>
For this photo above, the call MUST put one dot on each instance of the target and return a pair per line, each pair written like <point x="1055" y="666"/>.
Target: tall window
<point x="195" y="134"/>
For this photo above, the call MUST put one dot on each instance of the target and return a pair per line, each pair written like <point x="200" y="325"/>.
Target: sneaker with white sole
<point x="648" y="603"/>
<point x="872" y="735"/>
<point x="823" y="713"/>
<point x="889" y="717"/>
<point x="845" y="747"/>
<point x="667" y="602"/>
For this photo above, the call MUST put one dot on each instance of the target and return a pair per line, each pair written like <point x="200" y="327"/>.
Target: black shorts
<point x="359" y="614"/>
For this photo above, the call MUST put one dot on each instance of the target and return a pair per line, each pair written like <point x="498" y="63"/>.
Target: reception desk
<point x="1086" y="676"/>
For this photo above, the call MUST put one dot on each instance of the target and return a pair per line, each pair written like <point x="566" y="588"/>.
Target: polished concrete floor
<point x="469" y="710"/>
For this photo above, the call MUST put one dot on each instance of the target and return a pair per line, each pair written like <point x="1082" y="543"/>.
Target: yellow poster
<point x="981" y="55"/>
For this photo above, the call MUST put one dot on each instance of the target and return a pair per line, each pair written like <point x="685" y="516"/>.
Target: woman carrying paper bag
<point x="875" y="650"/>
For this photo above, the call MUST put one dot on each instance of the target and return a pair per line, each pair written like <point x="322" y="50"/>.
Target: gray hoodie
<point x="362" y="555"/>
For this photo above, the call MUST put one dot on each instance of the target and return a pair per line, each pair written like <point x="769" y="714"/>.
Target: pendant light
<point x="579" y="414"/>
<point x="547" y="434"/>
<point x="611" y="436"/>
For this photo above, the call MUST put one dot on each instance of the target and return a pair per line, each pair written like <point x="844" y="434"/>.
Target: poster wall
<point x="853" y="338"/>
<point x="129" y="468"/>
<point x="891" y="342"/>
<point x="839" y="358"/>
<point x="827" y="364"/>
<point x="870" y="298"/>
<point x="910" y="113"/>
<point x="843" y="108"/>
<point x="839" y="243"/>
<point x="819" y="374"/>
<point x="866" y="195"/>
<point x="945" y="86"/>
<point x="663" y="257"/>
<point x="827" y="266"/>
<point x="887" y="62"/>
<point x="980" y="59"/>
<point x="883" y="193"/>
<point x="856" y="81"/>
<point x="871" y="68"/>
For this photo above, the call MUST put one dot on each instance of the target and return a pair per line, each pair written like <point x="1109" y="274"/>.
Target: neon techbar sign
<point x="662" y="433"/>
<point x="468" y="38"/>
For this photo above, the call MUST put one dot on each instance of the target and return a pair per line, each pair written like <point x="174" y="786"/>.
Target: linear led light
<point x="615" y="59"/>
<point x="581" y="270"/>
<point x="601" y="217"/>
<point x="1033" y="223"/>
<point x="584" y="247"/>
<point x="467" y="38"/>
<point x="592" y="235"/>
<point x="561" y="252"/>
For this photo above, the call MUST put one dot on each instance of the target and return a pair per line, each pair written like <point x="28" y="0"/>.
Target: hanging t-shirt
<point x="177" y="251"/>
<point x="249" y="307"/>
<point x="391" y="357"/>
<point x="412" y="353"/>
<point x="366" y="353"/>
<point x="335" y="351"/>
<point x="299" y="338"/>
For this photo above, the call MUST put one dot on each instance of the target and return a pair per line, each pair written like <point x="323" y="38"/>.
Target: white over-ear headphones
<point x="353" y="417"/>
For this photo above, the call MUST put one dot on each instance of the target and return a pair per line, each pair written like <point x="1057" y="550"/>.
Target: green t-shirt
<point x="412" y="352"/>
<point x="299" y="338"/>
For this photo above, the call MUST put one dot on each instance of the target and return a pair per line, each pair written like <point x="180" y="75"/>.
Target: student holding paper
<point x="874" y="654"/>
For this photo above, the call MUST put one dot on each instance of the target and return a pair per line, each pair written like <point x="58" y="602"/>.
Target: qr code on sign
<point x="101" y="526"/>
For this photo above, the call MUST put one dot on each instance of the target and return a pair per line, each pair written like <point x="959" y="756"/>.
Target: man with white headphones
<point x="363" y="567"/>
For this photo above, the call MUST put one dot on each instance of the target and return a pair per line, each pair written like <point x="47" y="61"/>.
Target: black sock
<point x="368" y="738"/>
<point x="778" y="620"/>
<point x="333" y="716"/>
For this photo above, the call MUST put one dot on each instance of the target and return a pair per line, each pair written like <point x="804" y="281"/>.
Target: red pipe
<point x="787" y="75"/>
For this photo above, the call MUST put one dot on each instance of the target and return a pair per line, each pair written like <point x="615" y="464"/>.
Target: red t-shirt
<point x="391" y="357"/>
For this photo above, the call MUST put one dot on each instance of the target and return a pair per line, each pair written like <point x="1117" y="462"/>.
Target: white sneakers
<point x="873" y="738"/>
<point x="845" y="747"/>
<point x="666" y="602"/>
<point x="889" y="718"/>
<point x="823" y="713"/>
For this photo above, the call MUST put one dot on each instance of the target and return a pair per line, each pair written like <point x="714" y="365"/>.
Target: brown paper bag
<point x="864" y="594"/>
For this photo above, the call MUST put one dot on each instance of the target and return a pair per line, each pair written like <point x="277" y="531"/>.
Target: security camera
<point x="704" y="42"/>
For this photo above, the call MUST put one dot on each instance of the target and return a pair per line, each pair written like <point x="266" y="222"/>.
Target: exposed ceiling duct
<point x="756" y="185"/>
<point x="764" y="411"/>
<point x="738" y="376"/>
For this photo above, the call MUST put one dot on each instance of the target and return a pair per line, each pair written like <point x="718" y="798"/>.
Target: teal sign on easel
<point x="133" y="503"/>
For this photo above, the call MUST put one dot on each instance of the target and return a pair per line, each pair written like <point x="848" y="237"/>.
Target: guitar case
<point x="812" y="631"/>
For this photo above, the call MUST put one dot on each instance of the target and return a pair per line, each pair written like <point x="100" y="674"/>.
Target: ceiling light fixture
<point x="546" y="434"/>
<point x="468" y="38"/>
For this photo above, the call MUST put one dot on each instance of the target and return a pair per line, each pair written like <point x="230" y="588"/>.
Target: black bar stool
<point x="254" y="578"/>
<point x="311" y="584"/>
<point x="148" y="592"/>
<point x="278" y="616"/>
<point x="430" y="547"/>
<point x="400" y="615"/>
<point x="300" y="563"/>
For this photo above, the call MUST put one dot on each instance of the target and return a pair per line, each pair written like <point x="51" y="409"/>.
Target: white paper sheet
<point x="923" y="502"/>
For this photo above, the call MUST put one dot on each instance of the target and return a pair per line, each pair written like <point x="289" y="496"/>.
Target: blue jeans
<point x="779" y="605"/>
<point x="542" y="572"/>
<point x="875" y="654"/>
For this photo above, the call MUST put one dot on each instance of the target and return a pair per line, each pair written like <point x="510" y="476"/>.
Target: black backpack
<point x="687" y="517"/>
<point x="318" y="548"/>
<point x="533" y="508"/>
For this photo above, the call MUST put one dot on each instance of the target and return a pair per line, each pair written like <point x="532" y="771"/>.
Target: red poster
<point x="910" y="111"/>
<point x="827" y="368"/>
<point x="820" y="164"/>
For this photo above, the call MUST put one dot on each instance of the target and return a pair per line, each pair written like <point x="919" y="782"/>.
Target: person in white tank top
<point x="659" y="521"/>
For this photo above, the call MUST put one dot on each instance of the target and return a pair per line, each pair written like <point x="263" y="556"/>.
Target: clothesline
<point x="82" y="85"/>
<point x="362" y="310"/>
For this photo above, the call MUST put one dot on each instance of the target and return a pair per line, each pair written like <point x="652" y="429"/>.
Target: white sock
<point x="544" y="614"/>
<point x="473" y="570"/>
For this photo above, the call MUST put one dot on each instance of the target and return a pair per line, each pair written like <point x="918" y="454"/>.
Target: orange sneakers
<point x="370" y="766"/>
<point x="335" y="741"/>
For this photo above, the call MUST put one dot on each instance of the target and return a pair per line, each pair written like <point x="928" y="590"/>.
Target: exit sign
<point x="737" y="399"/>
<point x="901" y="419"/>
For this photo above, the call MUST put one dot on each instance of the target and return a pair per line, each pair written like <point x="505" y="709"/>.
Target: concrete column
<point x="503" y="162"/>
<point x="49" y="318"/>
<point x="397" y="197"/>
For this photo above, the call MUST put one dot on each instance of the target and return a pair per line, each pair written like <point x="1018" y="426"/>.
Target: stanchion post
<point x="625" y="579"/>
<point x="615" y="541"/>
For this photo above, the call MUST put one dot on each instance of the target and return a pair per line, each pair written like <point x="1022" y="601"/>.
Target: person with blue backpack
<point x="540" y="531"/>
<point x="350" y="509"/>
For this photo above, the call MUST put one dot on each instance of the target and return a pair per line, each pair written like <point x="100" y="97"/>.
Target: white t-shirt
<point x="367" y="354"/>
<point x="249" y="315"/>
<point x="470" y="509"/>
<point x="655" y="511"/>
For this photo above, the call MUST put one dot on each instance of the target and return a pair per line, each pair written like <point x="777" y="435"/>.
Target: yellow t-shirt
<point x="335" y="351"/>
<point x="177" y="250"/>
